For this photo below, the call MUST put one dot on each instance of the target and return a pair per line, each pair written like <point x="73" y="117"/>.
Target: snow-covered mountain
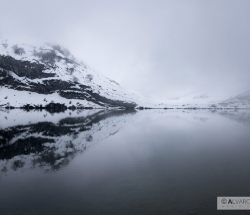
<point x="39" y="76"/>
<point x="240" y="101"/>
<point x="191" y="100"/>
<point x="203" y="100"/>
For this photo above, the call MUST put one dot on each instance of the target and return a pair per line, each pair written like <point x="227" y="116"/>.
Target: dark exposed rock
<point x="24" y="69"/>
<point x="20" y="75"/>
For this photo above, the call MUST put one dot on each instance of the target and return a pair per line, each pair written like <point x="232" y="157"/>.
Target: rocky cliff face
<point x="38" y="76"/>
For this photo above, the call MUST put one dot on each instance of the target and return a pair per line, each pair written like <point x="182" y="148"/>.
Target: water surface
<point x="122" y="162"/>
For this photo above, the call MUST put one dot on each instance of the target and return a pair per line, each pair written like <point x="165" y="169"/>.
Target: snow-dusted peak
<point x="54" y="64"/>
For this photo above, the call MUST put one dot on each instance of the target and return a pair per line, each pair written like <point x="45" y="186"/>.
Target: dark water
<point x="103" y="162"/>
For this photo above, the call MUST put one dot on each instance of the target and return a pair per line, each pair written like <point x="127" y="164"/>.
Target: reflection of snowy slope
<point x="16" y="117"/>
<point x="242" y="116"/>
<point x="40" y="75"/>
<point x="53" y="142"/>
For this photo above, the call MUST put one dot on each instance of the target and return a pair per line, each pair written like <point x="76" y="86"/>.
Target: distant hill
<point x="240" y="101"/>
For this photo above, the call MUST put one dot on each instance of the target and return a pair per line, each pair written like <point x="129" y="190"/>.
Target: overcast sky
<point x="161" y="49"/>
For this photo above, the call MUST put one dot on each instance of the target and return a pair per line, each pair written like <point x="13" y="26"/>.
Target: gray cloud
<point x="159" y="48"/>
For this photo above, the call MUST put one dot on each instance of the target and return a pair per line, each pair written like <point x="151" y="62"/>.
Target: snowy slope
<point x="191" y="100"/>
<point x="204" y="100"/>
<point x="240" y="101"/>
<point x="50" y="72"/>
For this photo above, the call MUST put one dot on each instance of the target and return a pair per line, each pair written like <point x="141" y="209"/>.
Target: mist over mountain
<point x="162" y="49"/>
<point x="42" y="76"/>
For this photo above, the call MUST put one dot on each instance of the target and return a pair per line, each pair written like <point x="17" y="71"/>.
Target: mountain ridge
<point x="53" y="75"/>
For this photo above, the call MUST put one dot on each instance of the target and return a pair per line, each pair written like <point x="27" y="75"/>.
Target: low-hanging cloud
<point x="162" y="49"/>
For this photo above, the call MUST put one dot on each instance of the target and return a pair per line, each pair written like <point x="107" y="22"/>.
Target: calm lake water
<point x="120" y="162"/>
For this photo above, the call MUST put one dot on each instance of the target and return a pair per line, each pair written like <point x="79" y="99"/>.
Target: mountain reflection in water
<point x="156" y="162"/>
<point x="52" y="143"/>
